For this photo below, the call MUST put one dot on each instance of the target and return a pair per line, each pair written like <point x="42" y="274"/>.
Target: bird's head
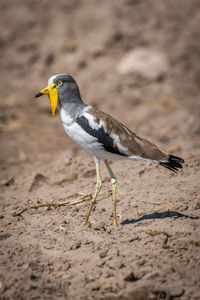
<point x="60" y="87"/>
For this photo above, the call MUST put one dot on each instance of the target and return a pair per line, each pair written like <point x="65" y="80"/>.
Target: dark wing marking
<point x="103" y="137"/>
<point x="135" y="145"/>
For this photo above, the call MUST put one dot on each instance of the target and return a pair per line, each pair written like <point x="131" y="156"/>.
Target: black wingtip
<point x="38" y="95"/>
<point x="173" y="164"/>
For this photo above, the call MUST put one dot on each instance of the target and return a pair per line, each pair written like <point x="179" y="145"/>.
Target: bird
<point x="101" y="135"/>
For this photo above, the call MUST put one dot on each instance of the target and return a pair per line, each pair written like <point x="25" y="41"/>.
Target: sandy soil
<point x="45" y="253"/>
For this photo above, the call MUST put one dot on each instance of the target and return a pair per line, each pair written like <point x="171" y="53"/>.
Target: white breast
<point x="78" y="135"/>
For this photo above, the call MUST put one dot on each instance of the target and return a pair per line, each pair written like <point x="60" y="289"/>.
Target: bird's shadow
<point x="158" y="215"/>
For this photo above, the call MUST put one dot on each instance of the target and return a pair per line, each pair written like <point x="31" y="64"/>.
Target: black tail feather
<point x="174" y="163"/>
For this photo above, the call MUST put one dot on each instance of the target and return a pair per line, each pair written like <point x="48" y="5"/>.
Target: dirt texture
<point x="45" y="178"/>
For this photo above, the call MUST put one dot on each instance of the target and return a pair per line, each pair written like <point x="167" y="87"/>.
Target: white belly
<point x="78" y="135"/>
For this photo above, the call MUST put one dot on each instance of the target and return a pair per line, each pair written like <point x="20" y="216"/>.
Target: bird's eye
<point x="60" y="83"/>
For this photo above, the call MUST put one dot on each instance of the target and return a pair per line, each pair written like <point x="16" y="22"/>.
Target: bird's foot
<point x="114" y="223"/>
<point x="86" y="223"/>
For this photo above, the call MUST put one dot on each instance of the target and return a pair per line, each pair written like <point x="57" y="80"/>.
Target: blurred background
<point x="137" y="60"/>
<point x="134" y="59"/>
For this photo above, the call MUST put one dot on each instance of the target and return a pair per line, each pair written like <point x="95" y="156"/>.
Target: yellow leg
<point x="114" y="183"/>
<point x="98" y="188"/>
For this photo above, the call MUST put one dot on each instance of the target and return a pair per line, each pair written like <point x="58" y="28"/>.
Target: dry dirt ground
<point x="45" y="253"/>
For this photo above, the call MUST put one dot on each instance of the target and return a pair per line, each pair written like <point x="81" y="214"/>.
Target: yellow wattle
<point x="53" y="98"/>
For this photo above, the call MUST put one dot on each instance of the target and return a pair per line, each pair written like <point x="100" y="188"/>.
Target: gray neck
<point x="72" y="103"/>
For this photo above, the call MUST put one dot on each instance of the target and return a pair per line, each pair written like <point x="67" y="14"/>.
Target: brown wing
<point x="135" y="145"/>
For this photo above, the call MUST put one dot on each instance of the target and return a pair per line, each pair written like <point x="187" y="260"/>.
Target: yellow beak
<point x="52" y="92"/>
